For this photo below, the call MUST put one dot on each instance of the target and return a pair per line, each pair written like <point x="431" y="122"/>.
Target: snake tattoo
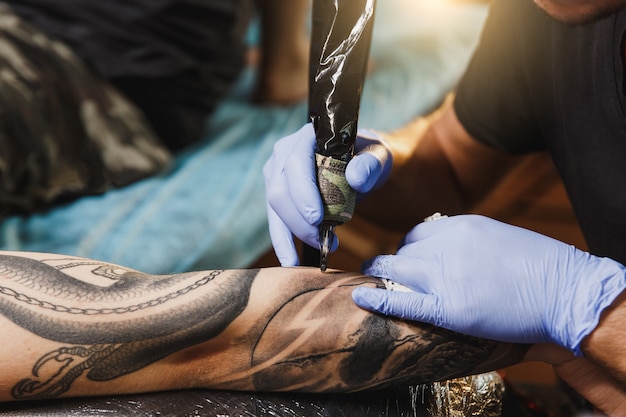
<point x="119" y="346"/>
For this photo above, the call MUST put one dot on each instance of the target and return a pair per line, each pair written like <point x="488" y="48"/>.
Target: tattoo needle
<point x="327" y="235"/>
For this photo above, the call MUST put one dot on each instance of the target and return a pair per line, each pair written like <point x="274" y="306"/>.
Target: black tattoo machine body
<point x="340" y="44"/>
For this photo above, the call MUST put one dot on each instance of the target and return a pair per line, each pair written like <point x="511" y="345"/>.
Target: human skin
<point x="283" y="65"/>
<point x="606" y="362"/>
<point x="579" y="11"/>
<point x="437" y="167"/>
<point x="593" y="376"/>
<point x="80" y="327"/>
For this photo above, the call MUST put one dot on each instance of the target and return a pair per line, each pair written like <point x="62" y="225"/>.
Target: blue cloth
<point x="208" y="211"/>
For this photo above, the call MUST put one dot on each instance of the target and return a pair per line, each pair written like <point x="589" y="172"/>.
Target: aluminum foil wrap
<point x="476" y="395"/>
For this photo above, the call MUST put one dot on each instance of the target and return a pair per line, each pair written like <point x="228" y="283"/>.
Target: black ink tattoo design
<point x="299" y="351"/>
<point x="308" y="337"/>
<point x="117" y="347"/>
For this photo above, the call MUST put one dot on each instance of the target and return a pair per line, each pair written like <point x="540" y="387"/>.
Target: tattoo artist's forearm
<point x="605" y="345"/>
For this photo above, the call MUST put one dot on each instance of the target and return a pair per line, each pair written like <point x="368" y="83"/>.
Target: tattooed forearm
<point x="317" y="334"/>
<point x="127" y="324"/>
<point x="102" y="328"/>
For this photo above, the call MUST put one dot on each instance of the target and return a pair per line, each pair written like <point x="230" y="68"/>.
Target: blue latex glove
<point x="294" y="204"/>
<point x="481" y="277"/>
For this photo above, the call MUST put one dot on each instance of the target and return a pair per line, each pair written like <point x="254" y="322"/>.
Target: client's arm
<point x="73" y="327"/>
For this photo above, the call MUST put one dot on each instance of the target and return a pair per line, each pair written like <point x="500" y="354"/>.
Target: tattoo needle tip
<point x="327" y="236"/>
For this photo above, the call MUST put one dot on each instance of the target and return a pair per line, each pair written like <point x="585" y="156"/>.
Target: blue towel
<point x="208" y="211"/>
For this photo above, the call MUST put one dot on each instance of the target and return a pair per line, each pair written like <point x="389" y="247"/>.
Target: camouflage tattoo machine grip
<point x="340" y="44"/>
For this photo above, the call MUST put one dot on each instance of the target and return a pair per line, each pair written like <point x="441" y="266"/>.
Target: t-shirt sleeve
<point x="493" y="98"/>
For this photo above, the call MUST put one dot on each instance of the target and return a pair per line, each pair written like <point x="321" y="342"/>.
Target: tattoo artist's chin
<point x="577" y="12"/>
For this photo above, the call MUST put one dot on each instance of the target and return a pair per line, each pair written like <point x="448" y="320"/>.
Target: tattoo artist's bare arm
<point x="591" y="380"/>
<point x="438" y="167"/>
<point x="74" y="326"/>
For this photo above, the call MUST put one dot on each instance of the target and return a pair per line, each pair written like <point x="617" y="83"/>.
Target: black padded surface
<point x="396" y="402"/>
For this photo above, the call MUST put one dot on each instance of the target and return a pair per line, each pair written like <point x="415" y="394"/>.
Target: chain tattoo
<point x="114" y="348"/>
<point x="117" y="310"/>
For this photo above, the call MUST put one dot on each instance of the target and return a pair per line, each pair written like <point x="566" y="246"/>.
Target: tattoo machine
<point x="340" y="44"/>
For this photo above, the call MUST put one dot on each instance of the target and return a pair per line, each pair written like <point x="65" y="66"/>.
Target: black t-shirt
<point x="535" y="83"/>
<point x="174" y="58"/>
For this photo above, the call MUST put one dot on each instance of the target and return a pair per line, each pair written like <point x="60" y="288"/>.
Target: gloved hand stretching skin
<point x="481" y="277"/>
<point x="294" y="204"/>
